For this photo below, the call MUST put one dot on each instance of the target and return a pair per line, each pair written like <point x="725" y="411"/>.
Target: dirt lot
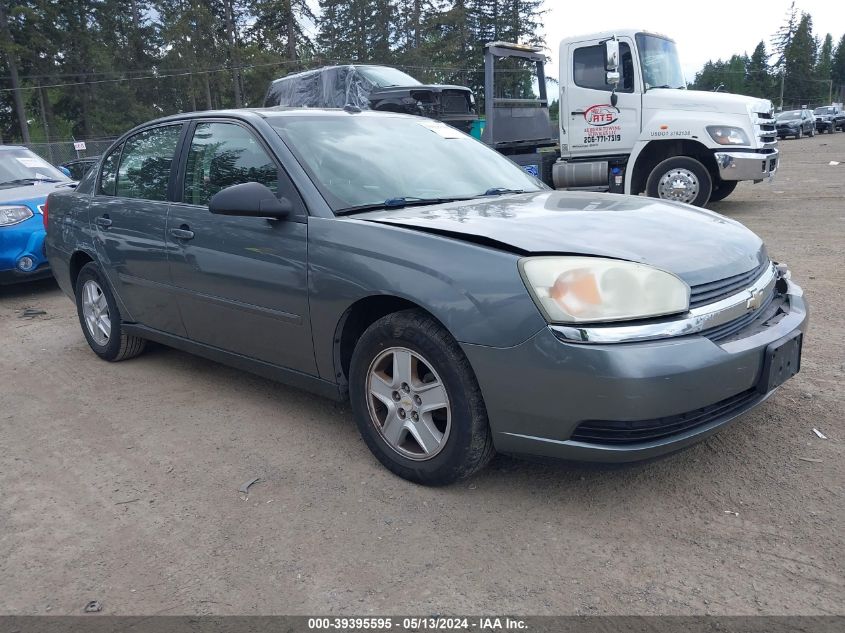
<point x="120" y="482"/>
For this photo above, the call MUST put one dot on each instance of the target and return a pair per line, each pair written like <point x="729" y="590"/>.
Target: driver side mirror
<point x="249" y="199"/>
<point x="611" y="62"/>
<point x="611" y="54"/>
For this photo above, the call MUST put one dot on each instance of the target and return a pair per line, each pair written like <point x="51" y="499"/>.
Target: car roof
<point x="2" y="147"/>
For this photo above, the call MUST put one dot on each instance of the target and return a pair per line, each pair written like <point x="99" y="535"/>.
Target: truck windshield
<point x="20" y="166"/>
<point x="826" y="110"/>
<point x="384" y="76"/>
<point x="384" y="160"/>
<point x="660" y="62"/>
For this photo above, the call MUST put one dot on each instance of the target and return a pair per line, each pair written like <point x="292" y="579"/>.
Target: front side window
<point x="145" y="163"/>
<point x="588" y="70"/>
<point x="222" y="155"/>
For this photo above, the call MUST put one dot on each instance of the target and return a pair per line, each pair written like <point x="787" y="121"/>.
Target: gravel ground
<point x="120" y="482"/>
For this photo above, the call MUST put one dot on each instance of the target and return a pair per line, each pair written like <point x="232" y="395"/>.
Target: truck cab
<point x="629" y="125"/>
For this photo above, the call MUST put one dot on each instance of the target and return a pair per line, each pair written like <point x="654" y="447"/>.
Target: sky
<point x="702" y="30"/>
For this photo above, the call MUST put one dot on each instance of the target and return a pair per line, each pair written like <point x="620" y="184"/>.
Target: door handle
<point x="104" y="221"/>
<point x="576" y="112"/>
<point x="182" y="233"/>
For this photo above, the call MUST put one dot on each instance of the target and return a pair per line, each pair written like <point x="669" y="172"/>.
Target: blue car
<point x="26" y="180"/>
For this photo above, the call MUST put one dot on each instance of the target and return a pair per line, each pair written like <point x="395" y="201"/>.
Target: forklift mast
<point x="515" y="125"/>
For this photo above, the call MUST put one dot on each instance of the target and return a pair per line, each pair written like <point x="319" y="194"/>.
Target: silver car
<point x="459" y="304"/>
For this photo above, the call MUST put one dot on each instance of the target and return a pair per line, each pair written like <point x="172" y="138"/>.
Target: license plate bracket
<point x="782" y="360"/>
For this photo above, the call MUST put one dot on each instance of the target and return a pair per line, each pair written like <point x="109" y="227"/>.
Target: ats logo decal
<point x="601" y="114"/>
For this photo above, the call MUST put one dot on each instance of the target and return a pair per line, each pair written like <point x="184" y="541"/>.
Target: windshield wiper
<point x="396" y="203"/>
<point x="498" y="191"/>
<point x="28" y="181"/>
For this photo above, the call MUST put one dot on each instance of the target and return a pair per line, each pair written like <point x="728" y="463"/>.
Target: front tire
<point x="680" y="179"/>
<point x="416" y="400"/>
<point x="100" y="318"/>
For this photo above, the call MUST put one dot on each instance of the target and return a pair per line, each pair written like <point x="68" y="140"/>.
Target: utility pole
<point x="233" y="53"/>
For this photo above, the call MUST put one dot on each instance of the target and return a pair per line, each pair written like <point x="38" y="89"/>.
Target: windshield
<point x="827" y="110"/>
<point x="362" y="159"/>
<point x="383" y="76"/>
<point x="786" y="116"/>
<point x="660" y="62"/>
<point x="21" y="166"/>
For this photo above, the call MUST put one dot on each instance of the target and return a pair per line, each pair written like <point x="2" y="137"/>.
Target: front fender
<point x="474" y="291"/>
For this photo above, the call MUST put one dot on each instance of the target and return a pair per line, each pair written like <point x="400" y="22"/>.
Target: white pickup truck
<point x="629" y="125"/>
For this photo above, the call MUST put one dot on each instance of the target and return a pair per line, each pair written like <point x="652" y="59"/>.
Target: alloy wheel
<point x="95" y="310"/>
<point x="680" y="185"/>
<point x="408" y="403"/>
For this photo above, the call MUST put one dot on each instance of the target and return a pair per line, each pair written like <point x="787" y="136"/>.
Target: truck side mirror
<point x="611" y="52"/>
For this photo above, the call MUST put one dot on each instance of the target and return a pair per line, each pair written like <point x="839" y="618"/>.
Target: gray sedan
<point x="460" y="305"/>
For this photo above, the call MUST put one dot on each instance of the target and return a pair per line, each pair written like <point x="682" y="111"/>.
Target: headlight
<point x="728" y="135"/>
<point x="13" y="215"/>
<point x="585" y="289"/>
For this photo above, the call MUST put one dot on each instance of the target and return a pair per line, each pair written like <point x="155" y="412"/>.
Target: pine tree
<point x="824" y="65"/>
<point x="799" y="64"/>
<point x="837" y="71"/>
<point x="759" y="79"/>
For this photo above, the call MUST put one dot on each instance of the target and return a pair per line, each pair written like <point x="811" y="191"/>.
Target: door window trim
<point x="122" y="146"/>
<point x="300" y="213"/>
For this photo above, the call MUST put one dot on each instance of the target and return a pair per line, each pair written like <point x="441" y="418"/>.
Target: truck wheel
<point x="723" y="189"/>
<point x="680" y="179"/>
<point x="100" y="318"/>
<point x="416" y="400"/>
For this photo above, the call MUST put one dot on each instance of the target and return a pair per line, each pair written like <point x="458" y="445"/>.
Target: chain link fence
<point x="58" y="152"/>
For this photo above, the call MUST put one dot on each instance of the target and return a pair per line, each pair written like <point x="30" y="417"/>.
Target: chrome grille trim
<point x="697" y="320"/>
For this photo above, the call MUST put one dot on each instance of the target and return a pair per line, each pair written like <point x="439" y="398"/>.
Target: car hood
<point x="697" y="245"/>
<point x="704" y="101"/>
<point x="31" y="193"/>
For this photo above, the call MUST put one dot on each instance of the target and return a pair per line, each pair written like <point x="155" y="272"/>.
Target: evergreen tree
<point x="837" y="71"/>
<point x="758" y="76"/>
<point x="799" y="62"/>
<point x="824" y="65"/>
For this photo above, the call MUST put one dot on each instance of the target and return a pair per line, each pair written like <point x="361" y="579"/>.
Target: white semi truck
<point x="629" y="125"/>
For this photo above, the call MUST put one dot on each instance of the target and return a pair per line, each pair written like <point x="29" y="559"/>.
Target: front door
<point x="241" y="281"/>
<point x="591" y="126"/>
<point x="129" y="214"/>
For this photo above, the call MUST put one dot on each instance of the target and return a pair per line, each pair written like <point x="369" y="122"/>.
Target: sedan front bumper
<point x="539" y="393"/>
<point x="747" y="165"/>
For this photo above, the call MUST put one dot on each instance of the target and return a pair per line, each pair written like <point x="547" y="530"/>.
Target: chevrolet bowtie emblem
<point x="755" y="300"/>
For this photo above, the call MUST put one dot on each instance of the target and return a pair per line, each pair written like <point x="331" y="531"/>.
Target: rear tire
<point x="100" y="318"/>
<point x="403" y="367"/>
<point x="722" y="190"/>
<point x="694" y="184"/>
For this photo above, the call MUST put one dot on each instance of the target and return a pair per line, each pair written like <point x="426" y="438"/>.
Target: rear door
<point x="591" y="125"/>
<point x="242" y="281"/>
<point x="129" y="214"/>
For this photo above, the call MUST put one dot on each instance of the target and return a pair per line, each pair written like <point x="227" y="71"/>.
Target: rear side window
<point x="108" y="175"/>
<point x="222" y="155"/>
<point x="588" y="69"/>
<point x="145" y="163"/>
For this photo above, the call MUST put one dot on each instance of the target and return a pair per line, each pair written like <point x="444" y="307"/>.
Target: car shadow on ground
<point x="328" y="421"/>
<point x="36" y="288"/>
